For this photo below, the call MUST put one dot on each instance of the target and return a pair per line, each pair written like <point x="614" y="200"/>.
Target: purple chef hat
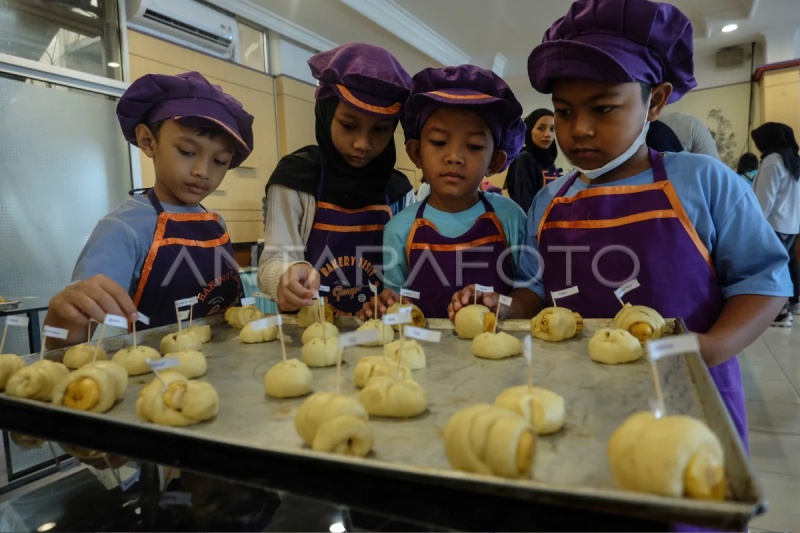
<point x="366" y="77"/>
<point x="617" y="41"/>
<point x="190" y="99"/>
<point x="467" y="85"/>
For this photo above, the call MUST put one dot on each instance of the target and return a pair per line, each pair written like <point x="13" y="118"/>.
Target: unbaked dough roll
<point x="413" y="353"/>
<point x="671" y="456"/>
<point x="310" y="315"/>
<point x="500" y="345"/>
<point x="374" y="365"/>
<point x="203" y="333"/>
<point x="193" y="363"/>
<point x="81" y="453"/>
<point x="417" y="318"/>
<point x="36" y="382"/>
<point x="9" y="364"/>
<point x="241" y="316"/>
<point x="543" y="408"/>
<point x="82" y="354"/>
<point x="614" y="346"/>
<point x="178" y="342"/>
<point x="289" y="379"/>
<point x="473" y="320"/>
<point x="248" y="336"/>
<point x="487" y="439"/>
<point x="556" y="324"/>
<point x="642" y="322"/>
<point x="26" y="442"/>
<point x="395" y="398"/>
<point x="94" y="387"/>
<point x="183" y="403"/>
<point x="315" y="331"/>
<point x="386" y="333"/>
<point x="134" y="360"/>
<point x="318" y="352"/>
<point x="334" y="423"/>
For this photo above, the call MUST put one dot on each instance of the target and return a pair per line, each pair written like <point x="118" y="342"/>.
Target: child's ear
<point x="146" y="140"/>
<point x="661" y="94"/>
<point x="412" y="149"/>
<point x="499" y="158"/>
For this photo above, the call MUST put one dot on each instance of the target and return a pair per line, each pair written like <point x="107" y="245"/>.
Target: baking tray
<point x="571" y="468"/>
<point x="9" y="305"/>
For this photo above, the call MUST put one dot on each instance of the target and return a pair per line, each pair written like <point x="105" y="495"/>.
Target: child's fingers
<point x="451" y="312"/>
<point x="290" y="301"/>
<point x="107" y="304"/>
<point x="490" y="300"/>
<point x="304" y="294"/>
<point x="467" y="294"/>
<point x="87" y="304"/>
<point x="121" y="297"/>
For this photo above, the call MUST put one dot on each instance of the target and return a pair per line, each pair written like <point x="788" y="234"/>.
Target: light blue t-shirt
<point x="450" y="225"/>
<point x="747" y="254"/>
<point x="119" y="244"/>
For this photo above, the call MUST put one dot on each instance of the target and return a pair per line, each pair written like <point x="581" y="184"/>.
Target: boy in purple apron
<point x="163" y="245"/>
<point x="462" y="124"/>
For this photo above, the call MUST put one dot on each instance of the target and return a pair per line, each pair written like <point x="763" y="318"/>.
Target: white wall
<point x="708" y="75"/>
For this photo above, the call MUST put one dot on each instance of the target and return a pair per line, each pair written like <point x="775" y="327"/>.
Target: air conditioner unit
<point x="188" y="23"/>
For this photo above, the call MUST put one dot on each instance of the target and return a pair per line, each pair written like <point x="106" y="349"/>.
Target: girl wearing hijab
<point x="777" y="187"/>
<point x="535" y="166"/>
<point x="327" y="203"/>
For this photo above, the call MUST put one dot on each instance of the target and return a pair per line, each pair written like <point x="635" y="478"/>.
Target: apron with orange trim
<point x="441" y="266"/>
<point x="346" y="246"/>
<point x="616" y="234"/>
<point x="191" y="255"/>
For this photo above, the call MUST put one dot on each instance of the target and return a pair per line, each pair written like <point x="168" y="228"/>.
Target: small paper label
<point x="248" y="301"/>
<point x="676" y="345"/>
<point x="144" y="319"/>
<point x="21" y="321"/>
<point x="176" y="499"/>
<point x="373" y="288"/>
<point x="398" y="318"/>
<point x="163" y="364"/>
<point x="183" y="315"/>
<point x="405" y="309"/>
<point x="358" y="337"/>
<point x="55" y="333"/>
<point x="324" y="288"/>
<point x="116" y="321"/>
<point x="260" y="295"/>
<point x="566" y="292"/>
<point x="270" y="321"/>
<point x="422" y="334"/>
<point x="186" y="302"/>
<point x="505" y="300"/>
<point x="484" y="288"/>
<point x="67" y="464"/>
<point x="527" y="346"/>
<point x="628" y="287"/>
<point x="128" y="483"/>
<point x="408" y="293"/>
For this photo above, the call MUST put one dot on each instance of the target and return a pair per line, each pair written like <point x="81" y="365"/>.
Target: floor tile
<point x="778" y="453"/>
<point x="792" y="371"/>
<point x="761" y="369"/>
<point x="770" y="390"/>
<point x="786" y="354"/>
<point x="773" y="417"/>
<point x="784" y="512"/>
<point x="758" y="351"/>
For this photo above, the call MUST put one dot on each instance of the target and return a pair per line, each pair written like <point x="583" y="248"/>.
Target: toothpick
<point x="322" y="318"/>
<point x="100" y="340"/>
<point x="3" y="341"/>
<point x="339" y="355"/>
<point x="496" y="317"/>
<point x="554" y="302"/>
<point x="134" y="334"/>
<point x="41" y="355"/>
<point x="89" y="332"/>
<point x="158" y="376"/>
<point x="530" y="375"/>
<point x="657" y="383"/>
<point x="191" y="315"/>
<point x="620" y="301"/>
<point x="178" y="316"/>
<point x="376" y="305"/>
<point x="283" y="345"/>
<point x="476" y="297"/>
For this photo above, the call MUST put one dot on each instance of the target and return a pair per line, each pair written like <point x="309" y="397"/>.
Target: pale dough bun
<point x="496" y="345"/>
<point x="315" y="331"/>
<point x="82" y="354"/>
<point x="310" y="315"/>
<point x="543" y="408"/>
<point x="386" y="333"/>
<point x="36" y="382"/>
<point x="417" y="318"/>
<point x="486" y="439"/>
<point x="135" y="359"/>
<point x="614" y="346"/>
<point x="193" y="363"/>
<point x="556" y="324"/>
<point x="413" y="354"/>
<point x="395" y="398"/>
<point x="373" y="366"/>
<point x="473" y="320"/>
<point x="81" y="453"/>
<point x="672" y="456"/>
<point x="248" y="336"/>
<point x="318" y="352"/>
<point x="239" y="317"/>
<point x="334" y="423"/>
<point x="203" y="333"/>
<point x="289" y="379"/>
<point x="178" y="342"/>
<point x="9" y="365"/>
<point x="642" y="322"/>
<point x="94" y="387"/>
<point x="183" y="403"/>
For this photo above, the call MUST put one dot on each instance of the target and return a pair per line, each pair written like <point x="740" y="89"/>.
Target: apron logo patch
<point x="340" y="292"/>
<point x="347" y="261"/>
<point x="362" y="297"/>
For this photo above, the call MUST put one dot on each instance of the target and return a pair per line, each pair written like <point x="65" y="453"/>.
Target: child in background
<point x="747" y="167"/>
<point x="163" y="245"/>
<point x="462" y="124"/>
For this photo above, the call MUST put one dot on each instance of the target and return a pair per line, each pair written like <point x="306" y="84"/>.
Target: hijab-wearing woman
<point x="777" y="187"/>
<point x="535" y="166"/>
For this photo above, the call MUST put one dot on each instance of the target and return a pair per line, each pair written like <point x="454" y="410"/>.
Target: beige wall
<point x="780" y="97"/>
<point x="238" y="199"/>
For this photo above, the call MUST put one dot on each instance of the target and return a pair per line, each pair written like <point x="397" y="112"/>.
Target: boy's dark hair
<point x="646" y="90"/>
<point x="747" y="163"/>
<point x="211" y="133"/>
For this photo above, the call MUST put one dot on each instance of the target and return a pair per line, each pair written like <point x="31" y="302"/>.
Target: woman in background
<point x="535" y="166"/>
<point x="747" y="167"/>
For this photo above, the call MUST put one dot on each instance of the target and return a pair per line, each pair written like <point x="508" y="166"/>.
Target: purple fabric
<point x="675" y="278"/>
<point x="477" y="263"/>
<point x="433" y="88"/>
<point x="369" y="73"/>
<point x="617" y="41"/>
<point x="222" y="287"/>
<point x="190" y="96"/>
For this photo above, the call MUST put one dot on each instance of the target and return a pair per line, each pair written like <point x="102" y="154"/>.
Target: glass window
<point x="81" y="35"/>
<point x="253" y="48"/>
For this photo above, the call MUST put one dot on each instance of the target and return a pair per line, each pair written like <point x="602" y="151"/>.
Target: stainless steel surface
<point x="9" y="306"/>
<point x="571" y="466"/>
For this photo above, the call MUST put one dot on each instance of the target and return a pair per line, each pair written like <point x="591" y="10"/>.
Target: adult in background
<point x="777" y="187"/>
<point x="535" y="166"/>
<point x="692" y="132"/>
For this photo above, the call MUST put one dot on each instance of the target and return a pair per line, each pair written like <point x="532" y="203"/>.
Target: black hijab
<point x="777" y="138"/>
<point x="661" y="138"/>
<point x="525" y="177"/>
<point x="345" y="186"/>
<point x="544" y="157"/>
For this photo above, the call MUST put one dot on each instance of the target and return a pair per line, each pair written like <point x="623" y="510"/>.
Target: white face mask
<point x="624" y="156"/>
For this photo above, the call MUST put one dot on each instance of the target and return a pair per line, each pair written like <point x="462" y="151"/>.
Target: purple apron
<point x="641" y="231"/>
<point x="435" y="261"/>
<point x="345" y="246"/>
<point x="191" y="255"/>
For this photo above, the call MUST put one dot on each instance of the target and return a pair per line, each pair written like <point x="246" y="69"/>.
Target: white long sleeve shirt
<point x="778" y="194"/>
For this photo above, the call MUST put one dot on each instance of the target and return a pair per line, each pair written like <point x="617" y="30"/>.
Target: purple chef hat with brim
<point x="470" y="86"/>
<point x="365" y="77"/>
<point x="189" y="99"/>
<point x="617" y="41"/>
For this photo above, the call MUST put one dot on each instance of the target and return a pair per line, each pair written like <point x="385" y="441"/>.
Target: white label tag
<point x="260" y="295"/>
<point x="484" y="288"/>
<point x="258" y="325"/>
<point x="183" y="315"/>
<point x="324" y="288"/>
<point x="373" y="288"/>
<point x="128" y="483"/>
<point x="405" y="309"/>
<point x="358" y="337"/>
<point x="21" y="321"/>
<point x="144" y="319"/>
<point x="116" y="321"/>
<point x="628" y="287"/>
<point x="505" y="300"/>
<point x="163" y="364"/>
<point x="422" y="334"/>
<point x="676" y="345"/>
<point x="399" y="318"/>
<point x="68" y="464"/>
<point x="186" y="302"/>
<point x="176" y="498"/>
<point x="55" y="333"/>
<point x="408" y="293"/>
<point x="248" y="301"/>
<point x="527" y="346"/>
<point x="563" y="294"/>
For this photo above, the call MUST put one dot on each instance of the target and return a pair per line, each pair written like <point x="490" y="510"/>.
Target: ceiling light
<point x="113" y="64"/>
<point x="338" y="527"/>
<point x="46" y="527"/>
<point x="729" y="28"/>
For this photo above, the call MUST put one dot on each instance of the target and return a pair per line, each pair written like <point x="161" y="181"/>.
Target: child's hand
<point x="297" y="286"/>
<point x="466" y="296"/>
<point x="386" y="298"/>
